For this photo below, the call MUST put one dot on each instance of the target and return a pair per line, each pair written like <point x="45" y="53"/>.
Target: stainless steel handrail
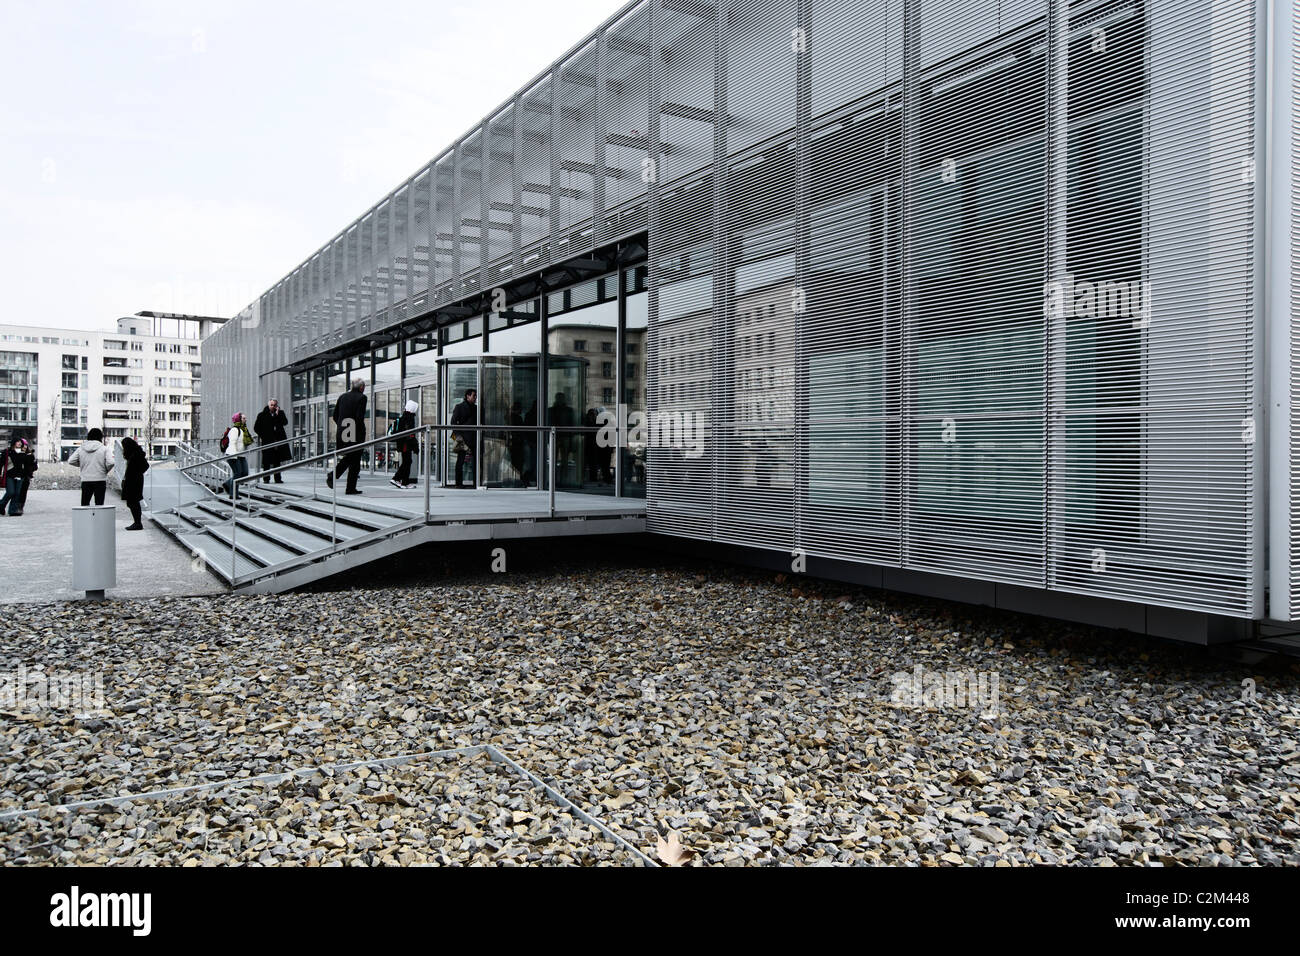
<point x="334" y="455"/>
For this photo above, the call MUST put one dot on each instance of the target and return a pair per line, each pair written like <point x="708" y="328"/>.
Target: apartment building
<point x="141" y="380"/>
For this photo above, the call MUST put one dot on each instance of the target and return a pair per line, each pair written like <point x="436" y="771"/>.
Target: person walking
<point x="27" y="485"/>
<point x="408" y="446"/>
<point x="350" y="418"/>
<point x="235" y="442"/>
<point x="17" y="464"/>
<point x="562" y="415"/>
<point x="465" y="413"/>
<point x="133" y="481"/>
<point x="95" y="460"/>
<point x="271" y="426"/>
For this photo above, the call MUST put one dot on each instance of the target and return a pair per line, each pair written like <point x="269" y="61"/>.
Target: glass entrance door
<point x="509" y="388"/>
<point x="457" y="376"/>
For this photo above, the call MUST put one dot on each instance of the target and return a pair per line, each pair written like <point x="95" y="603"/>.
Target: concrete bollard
<point x="94" y="550"/>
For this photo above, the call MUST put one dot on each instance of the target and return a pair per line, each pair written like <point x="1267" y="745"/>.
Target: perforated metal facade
<point x="974" y="288"/>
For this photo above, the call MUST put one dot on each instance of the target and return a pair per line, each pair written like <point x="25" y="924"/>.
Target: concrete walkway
<point x="36" y="555"/>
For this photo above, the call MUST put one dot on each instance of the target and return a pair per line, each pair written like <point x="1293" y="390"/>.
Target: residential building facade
<point x="140" y="380"/>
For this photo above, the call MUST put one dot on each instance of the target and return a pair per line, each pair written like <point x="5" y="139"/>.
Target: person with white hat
<point x="408" y="446"/>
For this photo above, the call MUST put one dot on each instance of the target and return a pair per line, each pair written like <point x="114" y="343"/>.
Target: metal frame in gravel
<point x="495" y="755"/>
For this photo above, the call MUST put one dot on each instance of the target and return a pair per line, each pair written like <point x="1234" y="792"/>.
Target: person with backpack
<point x="95" y="460"/>
<point x="133" y="480"/>
<point x="408" y="446"/>
<point x="17" y="464"/>
<point x="235" y="442"/>
<point x="271" y="426"/>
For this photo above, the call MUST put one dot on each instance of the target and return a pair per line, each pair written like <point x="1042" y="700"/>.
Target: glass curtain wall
<point x="582" y="382"/>
<point x="632" y="444"/>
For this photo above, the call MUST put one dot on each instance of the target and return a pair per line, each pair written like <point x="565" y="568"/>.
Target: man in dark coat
<point x="350" y="417"/>
<point x="464" y="414"/>
<point x="270" y="427"/>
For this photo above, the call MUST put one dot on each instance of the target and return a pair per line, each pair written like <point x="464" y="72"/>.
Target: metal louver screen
<point x="961" y="287"/>
<point x="964" y="287"/>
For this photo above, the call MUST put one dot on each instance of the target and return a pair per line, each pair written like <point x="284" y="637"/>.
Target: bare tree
<point x="149" y="428"/>
<point x="56" y="431"/>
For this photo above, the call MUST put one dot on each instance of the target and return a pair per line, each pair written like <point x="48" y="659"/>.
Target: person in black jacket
<point x="408" y="447"/>
<point x="271" y="426"/>
<point x="17" y="464"/>
<point x="133" y="480"/>
<point x="350" y="417"/>
<point x="464" y="414"/>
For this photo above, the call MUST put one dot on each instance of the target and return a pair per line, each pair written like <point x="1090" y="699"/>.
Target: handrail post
<point x="428" y="470"/>
<point x="234" y="525"/>
<point x="334" y="499"/>
<point x="552" y="444"/>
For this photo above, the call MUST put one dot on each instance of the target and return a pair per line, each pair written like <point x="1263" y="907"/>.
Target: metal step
<point x="355" y="514"/>
<point x="307" y="542"/>
<point x="216" y="554"/>
<point x="254" y="546"/>
<point x="306" y="521"/>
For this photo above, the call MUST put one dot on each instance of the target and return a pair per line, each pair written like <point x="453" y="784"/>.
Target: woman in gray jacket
<point x="95" y="461"/>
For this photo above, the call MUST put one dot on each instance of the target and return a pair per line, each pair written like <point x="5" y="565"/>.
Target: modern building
<point x="991" y="301"/>
<point x="142" y="380"/>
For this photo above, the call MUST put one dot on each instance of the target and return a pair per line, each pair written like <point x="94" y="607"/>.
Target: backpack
<point x="225" y="439"/>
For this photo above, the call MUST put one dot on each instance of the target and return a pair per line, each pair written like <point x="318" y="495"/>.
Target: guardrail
<point x="425" y="435"/>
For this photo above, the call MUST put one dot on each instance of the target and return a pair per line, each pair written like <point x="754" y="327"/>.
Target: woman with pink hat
<point x="237" y="440"/>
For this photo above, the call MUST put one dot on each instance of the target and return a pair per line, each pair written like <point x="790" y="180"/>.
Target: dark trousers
<point x="238" y="469"/>
<point x="135" y="510"/>
<point x="403" y="476"/>
<point x="267" y="466"/>
<point x="13" y="495"/>
<point x="460" y="467"/>
<point x="351" y="463"/>
<point x="92" y="489"/>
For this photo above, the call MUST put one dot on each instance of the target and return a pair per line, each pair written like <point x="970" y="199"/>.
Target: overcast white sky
<point x="184" y="155"/>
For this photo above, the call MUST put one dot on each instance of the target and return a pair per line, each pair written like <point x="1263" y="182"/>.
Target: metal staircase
<point x="274" y="537"/>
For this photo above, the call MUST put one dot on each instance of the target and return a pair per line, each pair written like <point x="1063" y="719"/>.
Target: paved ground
<point x="764" y="719"/>
<point x="36" y="559"/>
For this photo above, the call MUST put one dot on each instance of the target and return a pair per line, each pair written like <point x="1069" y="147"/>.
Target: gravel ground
<point x="438" y="811"/>
<point x="760" y="717"/>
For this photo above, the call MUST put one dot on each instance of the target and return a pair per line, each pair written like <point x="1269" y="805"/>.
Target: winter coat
<point x="238" y="440"/>
<point x="16" y="464"/>
<point x="351" y="406"/>
<point x="464" y="414"/>
<point x="133" y="480"/>
<point x="272" y="428"/>
<point x="94" y="459"/>
<point x="409" y="443"/>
